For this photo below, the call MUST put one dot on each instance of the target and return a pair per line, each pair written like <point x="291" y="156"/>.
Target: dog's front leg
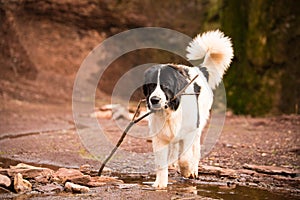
<point x="173" y="156"/>
<point x="160" y="149"/>
<point x="190" y="154"/>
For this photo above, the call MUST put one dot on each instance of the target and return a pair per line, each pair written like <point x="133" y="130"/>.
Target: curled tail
<point x="216" y="49"/>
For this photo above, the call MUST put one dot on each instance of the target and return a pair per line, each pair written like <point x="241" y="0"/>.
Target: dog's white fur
<point x="176" y="140"/>
<point x="216" y="49"/>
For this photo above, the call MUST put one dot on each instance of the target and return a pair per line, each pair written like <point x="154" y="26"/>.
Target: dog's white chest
<point x="166" y="126"/>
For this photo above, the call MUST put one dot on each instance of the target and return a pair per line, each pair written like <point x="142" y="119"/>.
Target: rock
<point x="206" y="169"/>
<point x="103" y="180"/>
<point x="252" y="184"/>
<point x="295" y="182"/>
<point x="120" y="112"/>
<point x="272" y="170"/>
<point x="115" y="111"/>
<point x="243" y="179"/>
<point x="219" y="171"/>
<point x="230" y="173"/>
<point x="102" y="114"/>
<point x="264" y="154"/>
<point x="86" y="169"/>
<point x="229" y="146"/>
<point x="29" y="171"/>
<point x="21" y="185"/>
<point x="246" y="172"/>
<point x="23" y="166"/>
<point x="4" y="190"/>
<point x="108" y="107"/>
<point x="42" y="179"/>
<point x="127" y="186"/>
<point x="95" y="183"/>
<point x="106" y="170"/>
<point x="81" y="180"/>
<point x="4" y="171"/>
<point x="75" y="188"/>
<point x="62" y="175"/>
<point x="4" y="181"/>
<point x="48" y="188"/>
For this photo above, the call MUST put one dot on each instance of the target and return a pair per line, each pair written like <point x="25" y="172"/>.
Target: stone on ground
<point x="62" y="175"/>
<point x="21" y="185"/>
<point x="75" y="188"/>
<point x="4" y="181"/>
<point x="29" y="171"/>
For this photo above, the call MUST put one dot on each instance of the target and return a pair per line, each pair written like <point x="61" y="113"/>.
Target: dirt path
<point x="44" y="134"/>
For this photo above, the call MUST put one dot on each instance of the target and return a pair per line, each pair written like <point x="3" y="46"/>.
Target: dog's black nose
<point x="154" y="100"/>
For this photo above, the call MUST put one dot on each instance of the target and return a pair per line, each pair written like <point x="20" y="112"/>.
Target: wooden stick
<point x="132" y="122"/>
<point x="137" y="109"/>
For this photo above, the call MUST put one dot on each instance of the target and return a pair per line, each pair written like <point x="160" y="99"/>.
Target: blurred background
<point x="44" y="42"/>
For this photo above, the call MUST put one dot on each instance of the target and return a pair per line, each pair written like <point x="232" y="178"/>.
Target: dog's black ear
<point x="180" y="83"/>
<point x="146" y="90"/>
<point x="150" y="78"/>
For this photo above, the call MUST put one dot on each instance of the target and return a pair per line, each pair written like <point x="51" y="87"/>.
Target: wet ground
<point x="137" y="188"/>
<point x="134" y="162"/>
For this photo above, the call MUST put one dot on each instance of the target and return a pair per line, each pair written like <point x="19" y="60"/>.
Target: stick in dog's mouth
<point x="132" y="122"/>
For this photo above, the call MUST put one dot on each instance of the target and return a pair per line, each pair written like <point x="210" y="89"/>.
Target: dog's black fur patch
<point x="204" y="72"/>
<point x="171" y="82"/>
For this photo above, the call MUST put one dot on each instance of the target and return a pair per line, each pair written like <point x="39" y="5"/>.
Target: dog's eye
<point x="166" y="89"/>
<point x="148" y="88"/>
<point x="169" y="93"/>
<point x="163" y="87"/>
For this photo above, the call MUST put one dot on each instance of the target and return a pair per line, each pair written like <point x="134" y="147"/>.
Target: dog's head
<point x="161" y="83"/>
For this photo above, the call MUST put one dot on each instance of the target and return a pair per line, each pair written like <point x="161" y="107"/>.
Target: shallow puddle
<point x="135" y="189"/>
<point x="238" y="193"/>
<point x="138" y="186"/>
<point x="213" y="190"/>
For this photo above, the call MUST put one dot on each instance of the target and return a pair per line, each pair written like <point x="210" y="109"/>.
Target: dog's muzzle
<point x="155" y="100"/>
<point x="156" y="103"/>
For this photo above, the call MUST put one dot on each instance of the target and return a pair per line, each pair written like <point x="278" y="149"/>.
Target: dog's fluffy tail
<point x="216" y="49"/>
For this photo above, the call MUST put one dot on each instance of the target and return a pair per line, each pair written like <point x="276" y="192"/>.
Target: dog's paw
<point x="193" y="175"/>
<point x="188" y="173"/>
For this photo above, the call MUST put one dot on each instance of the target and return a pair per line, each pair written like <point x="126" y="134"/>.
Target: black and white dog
<point x="177" y="123"/>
